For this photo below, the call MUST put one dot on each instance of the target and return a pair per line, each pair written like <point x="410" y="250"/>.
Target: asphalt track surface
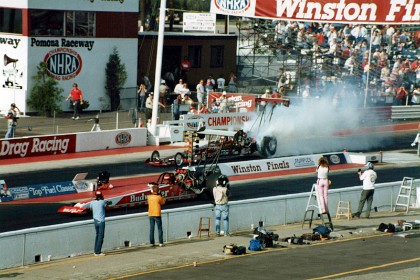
<point x="372" y="257"/>
<point x="21" y="216"/>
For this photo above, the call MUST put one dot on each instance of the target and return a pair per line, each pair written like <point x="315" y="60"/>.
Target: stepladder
<point x="313" y="206"/>
<point x="406" y="194"/>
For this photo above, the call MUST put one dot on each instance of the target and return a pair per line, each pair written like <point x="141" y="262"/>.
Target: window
<point x="217" y="56"/>
<point x="194" y="56"/>
<point x="10" y="20"/>
<point x="60" y="23"/>
<point x="80" y="24"/>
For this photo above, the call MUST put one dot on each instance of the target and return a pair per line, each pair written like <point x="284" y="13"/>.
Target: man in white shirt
<point x="179" y="86"/>
<point x="200" y="91"/>
<point x="221" y="83"/>
<point x="368" y="177"/>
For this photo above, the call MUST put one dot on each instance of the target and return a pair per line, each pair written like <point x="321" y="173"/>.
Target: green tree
<point x="45" y="95"/>
<point x="116" y="76"/>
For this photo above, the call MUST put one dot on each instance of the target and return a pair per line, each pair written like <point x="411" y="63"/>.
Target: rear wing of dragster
<point x="284" y="101"/>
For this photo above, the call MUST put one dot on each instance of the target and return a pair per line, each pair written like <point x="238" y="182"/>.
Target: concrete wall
<point x="77" y="238"/>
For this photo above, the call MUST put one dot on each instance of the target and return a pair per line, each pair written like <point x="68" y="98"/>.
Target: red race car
<point x="184" y="183"/>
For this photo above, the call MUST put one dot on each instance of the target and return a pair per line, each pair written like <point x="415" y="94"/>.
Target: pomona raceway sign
<point x="346" y="11"/>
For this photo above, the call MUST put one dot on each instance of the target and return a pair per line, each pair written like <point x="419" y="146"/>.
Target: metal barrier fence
<point x="67" y="240"/>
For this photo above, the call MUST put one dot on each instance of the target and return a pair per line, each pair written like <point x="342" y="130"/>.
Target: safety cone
<point x="140" y="123"/>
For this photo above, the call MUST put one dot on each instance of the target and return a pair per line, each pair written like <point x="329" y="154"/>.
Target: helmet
<point x="369" y="165"/>
<point x="167" y="176"/>
<point x="98" y="193"/>
<point x="223" y="180"/>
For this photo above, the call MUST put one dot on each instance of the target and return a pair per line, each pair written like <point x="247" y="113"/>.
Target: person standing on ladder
<point x="368" y="177"/>
<point x="323" y="184"/>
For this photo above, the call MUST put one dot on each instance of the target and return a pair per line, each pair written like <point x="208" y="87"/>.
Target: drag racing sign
<point x="345" y="11"/>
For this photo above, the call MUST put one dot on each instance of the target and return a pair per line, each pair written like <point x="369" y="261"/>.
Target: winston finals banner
<point x="344" y="11"/>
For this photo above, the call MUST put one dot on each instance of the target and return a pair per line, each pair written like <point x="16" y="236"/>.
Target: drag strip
<point x="371" y="257"/>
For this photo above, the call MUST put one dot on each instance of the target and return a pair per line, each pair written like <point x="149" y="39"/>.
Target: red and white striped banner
<point x="344" y="11"/>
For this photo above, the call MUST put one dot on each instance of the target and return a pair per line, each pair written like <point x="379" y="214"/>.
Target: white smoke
<point x="314" y="126"/>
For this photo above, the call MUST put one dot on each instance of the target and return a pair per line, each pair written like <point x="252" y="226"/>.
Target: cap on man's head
<point x="369" y="165"/>
<point x="13" y="105"/>
<point x="224" y="93"/>
<point x="162" y="81"/>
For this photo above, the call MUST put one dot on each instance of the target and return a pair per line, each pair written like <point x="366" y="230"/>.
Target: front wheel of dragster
<point x="268" y="146"/>
<point x="179" y="159"/>
<point x="155" y="156"/>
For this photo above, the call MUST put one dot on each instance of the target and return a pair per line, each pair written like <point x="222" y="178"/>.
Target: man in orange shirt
<point x="77" y="98"/>
<point x="155" y="201"/>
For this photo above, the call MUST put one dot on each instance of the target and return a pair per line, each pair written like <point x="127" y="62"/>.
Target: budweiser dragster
<point x="221" y="144"/>
<point x="184" y="183"/>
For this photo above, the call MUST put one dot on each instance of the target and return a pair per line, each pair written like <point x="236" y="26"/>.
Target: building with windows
<point x="74" y="38"/>
<point x="207" y="53"/>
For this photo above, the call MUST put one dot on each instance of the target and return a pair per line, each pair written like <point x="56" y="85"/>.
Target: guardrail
<point x="68" y="240"/>
<point x="405" y="112"/>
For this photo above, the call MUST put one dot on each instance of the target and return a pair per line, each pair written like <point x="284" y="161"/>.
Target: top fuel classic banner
<point x="344" y="11"/>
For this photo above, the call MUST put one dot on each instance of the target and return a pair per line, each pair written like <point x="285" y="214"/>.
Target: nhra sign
<point x="237" y="102"/>
<point x="37" y="146"/>
<point x="63" y="63"/>
<point x="231" y="121"/>
<point x="41" y="190"/>
<point x="345" y="11"/>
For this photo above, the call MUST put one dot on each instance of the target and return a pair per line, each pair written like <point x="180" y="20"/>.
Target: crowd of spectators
<point x="390" y="74"/>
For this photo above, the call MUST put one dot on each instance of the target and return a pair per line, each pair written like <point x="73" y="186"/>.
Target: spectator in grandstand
<point x="149" y="107"/>
<point x="401" y="95"/>
<point x="281" y="32"/>
<point x="221" y="83"/>
<point x="184" y="91"/>
<point x="179" y="86"/>
<point x="233" y="80"/>
<point x="208" y="87"/>
<point x="385" y="72"/>
<point x="376" y="40"/>
<point x="415" y="98"/>
<point x="141" y="92"/>
<point x="350" y="64"/>
<point x="185" y="67"/>
<point x="224" y="103"/>
<point x="359" y="32"/>
<point x="163" y="91"/>
<point x="177" y="106"/>
<point x="200" y="91"/>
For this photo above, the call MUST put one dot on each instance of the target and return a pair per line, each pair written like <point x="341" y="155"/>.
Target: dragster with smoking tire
<point x="226" y="144"/>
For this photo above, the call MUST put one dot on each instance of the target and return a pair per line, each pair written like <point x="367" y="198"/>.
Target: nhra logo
<point x="123" y="139"/>
<point x="335" y="159"/>
<point x="233" y="6"/>
<point x="63" y="63"/>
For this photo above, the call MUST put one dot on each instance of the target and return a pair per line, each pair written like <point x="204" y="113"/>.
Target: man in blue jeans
<point x="98" y="208"/>
<point x="155" y="201"/>
<point x="221" y="193"/>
